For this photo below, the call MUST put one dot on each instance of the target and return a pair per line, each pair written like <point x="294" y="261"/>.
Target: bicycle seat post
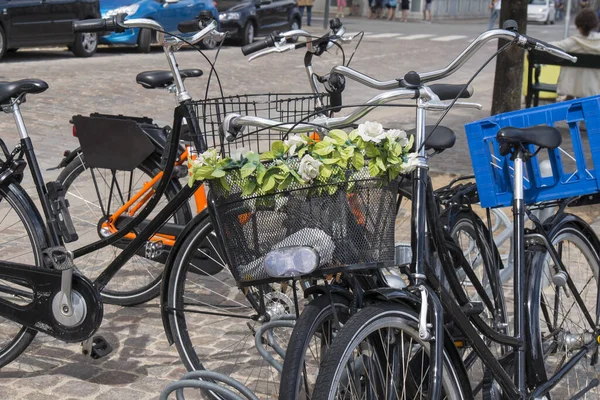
<point x="519" y="270"/>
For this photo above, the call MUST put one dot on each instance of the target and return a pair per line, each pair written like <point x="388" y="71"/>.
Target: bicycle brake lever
<point x="277" y="49"/>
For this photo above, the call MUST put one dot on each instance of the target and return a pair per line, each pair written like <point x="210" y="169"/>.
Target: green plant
<point x="303" y="160"/>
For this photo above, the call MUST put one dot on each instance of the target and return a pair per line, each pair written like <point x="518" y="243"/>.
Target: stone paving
<point x="142" y="363"/>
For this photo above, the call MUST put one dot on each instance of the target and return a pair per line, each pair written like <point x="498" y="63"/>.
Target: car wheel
<point x="296" y="24"/>
<point x="208" y="43"/>
<point x="144" y="41"/>
<point x="2" y="43"/>
<point x="85" y="44"/>
<point x="249" y="31"/>
<point x="553" y="20"/>
<point x="547" y="20"/>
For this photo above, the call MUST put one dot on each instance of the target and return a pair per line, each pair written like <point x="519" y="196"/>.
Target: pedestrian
<point x="584" y="4"/>
<point x="378" y="8"/>
<point x="308" y="4"/>
<point x="341" y="7"/>
<point x="495" y="6"/>
<point x="391" y="7"/>
<point x="580" y="82"/>
<point x="560" y="6"/>
<point x="427" y="10"/>
<point x="405" y="5"/>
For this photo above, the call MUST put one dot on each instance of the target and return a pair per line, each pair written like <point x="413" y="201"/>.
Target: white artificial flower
<point x="238" y="154"/>
<point x="371" y="132"/>
<point x="293" y="142"/>
<point x="397" y="135"/>
<point x="201" y="159"/>
<point x="309" y="168"/>
<point x="412" y="160"/>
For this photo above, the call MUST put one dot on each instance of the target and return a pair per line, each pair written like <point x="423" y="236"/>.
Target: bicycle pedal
<point x="96" y="348"/>
<point x="473" y="308"/>
<point x="59" y="258"/>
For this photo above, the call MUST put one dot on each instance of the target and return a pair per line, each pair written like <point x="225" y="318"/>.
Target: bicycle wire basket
<point x="349" y="222"/>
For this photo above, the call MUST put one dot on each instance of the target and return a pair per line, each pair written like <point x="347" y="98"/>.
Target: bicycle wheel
<point x="23" y="239"/>
<point x="314" y="331"/>
<point x="563" y="307"/>
<point x="378" y="355"/>
<point x="94" y="194"/>
<point x="212" y="320"/>
<point x="473" y="240"/>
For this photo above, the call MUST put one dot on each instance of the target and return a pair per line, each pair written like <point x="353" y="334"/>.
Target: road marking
<point x="414" y="37"/>
<point x="448" y="38"/>
<point x="383" y="35"/>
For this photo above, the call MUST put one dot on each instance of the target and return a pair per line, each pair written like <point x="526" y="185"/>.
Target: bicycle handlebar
<point x="112" y="24"/>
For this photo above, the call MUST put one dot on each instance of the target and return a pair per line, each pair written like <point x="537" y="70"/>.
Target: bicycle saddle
<point x="9" y="90"/>
<point x="443" y="138"/>
<point x="163" y="79"/>
<point x="546" y="137"/>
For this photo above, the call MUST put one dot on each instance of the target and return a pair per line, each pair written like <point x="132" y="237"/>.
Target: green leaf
<point x="249" y="188"/>
<point x="191" y="181"/>
<point x="261" y="170"/>
<point x="347" y="153"/>
<point x="380" y="163"/>
<point x="371" y="151"/>
<point x="278" y="148"/>
<point x="332" y="189"/>
<point x="247" y="170"/>
<point x="204" y="172"/>
<point x="373" y="169"/>
<point x="330" y="161"/>
<point x="225" y="184"/>
<point x="218" y="173"/>
<point x="339" y="136"/>
<point x="410" y="143"/>
<point x="269" y="184"/>
<point x="358" y="160"/>
<point x="302" y="151"/>
<point x="296" y="175"/>
<point x="353" y="135"/>
<point x="286" y="182"/>
<point x="267" y="156"/>
<point x="392" y="158"/>
<point x="325" y="172"/>
<point x="253" y="157"/>
<point x="322" y="148"/>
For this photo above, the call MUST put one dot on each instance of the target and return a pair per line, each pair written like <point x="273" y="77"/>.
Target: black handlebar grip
<point x="112" y="24"/>
<point x="449" y="92"/>
<point x="189" y="26"/>
<point x="257" y="46"/>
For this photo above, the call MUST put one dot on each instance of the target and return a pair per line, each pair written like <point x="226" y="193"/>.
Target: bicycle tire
<point x="122" y="289"/>
<point x="546" y="333"/>
<point x="310" y="324"/>
<point x="14" y="197"/>
<point x="194" y="290"/>
<point x="363" y="325"/>
<point x="466" y="226"/>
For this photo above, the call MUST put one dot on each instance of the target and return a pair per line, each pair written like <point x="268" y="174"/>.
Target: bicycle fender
<point x="318" y="290"/>
<point x="389" y="294"/>
<point x="164" y="286"/>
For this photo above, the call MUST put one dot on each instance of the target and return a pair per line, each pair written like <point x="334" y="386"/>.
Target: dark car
<point x="27" y="23"/>
<point x="245" y="19"/>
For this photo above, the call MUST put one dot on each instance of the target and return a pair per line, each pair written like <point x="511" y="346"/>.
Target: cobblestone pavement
<point x="142" y="363"/>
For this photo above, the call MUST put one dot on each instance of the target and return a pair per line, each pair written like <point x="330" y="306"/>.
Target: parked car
<point x="27" y="23"/>
<point x="168" y="13"/>
<point x="245" y="19"/>
<point x="541" y="11"/>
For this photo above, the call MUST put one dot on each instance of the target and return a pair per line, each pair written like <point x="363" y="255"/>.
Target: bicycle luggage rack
<point x="494" y="173"/>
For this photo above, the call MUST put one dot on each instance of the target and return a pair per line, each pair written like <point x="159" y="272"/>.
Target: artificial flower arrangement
<point x="302" y="160"/>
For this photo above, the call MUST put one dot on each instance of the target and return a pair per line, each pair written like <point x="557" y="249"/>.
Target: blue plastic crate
<point x="571" y="174"/>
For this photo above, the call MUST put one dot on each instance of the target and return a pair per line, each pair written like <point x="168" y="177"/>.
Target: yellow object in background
<point x="549" y="75"/>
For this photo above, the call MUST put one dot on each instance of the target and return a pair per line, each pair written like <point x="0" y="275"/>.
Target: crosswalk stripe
<point x="384" y="35"/>
<point x="448" y="38"/>
<point x="414" y="37"/>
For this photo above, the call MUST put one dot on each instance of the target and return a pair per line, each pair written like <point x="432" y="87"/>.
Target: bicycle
<point x="495" y="369"/>
<point x="43" y="291"/>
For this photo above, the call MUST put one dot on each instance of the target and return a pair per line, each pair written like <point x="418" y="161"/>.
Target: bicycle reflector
<point x="286" y="262"/>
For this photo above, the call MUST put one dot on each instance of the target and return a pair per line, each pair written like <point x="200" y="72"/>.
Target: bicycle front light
<point x="287" y="262"/>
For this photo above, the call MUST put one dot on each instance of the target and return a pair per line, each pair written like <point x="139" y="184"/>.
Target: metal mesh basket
<point x="350" y="223"/>
<point x="284" y="107"/>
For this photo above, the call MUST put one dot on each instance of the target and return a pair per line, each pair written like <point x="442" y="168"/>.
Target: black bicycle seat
<point x="443" y="138"/>
<point x="9" y="90"/>
<point x="163" y="79"/>
<point x="546" y="137"/>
